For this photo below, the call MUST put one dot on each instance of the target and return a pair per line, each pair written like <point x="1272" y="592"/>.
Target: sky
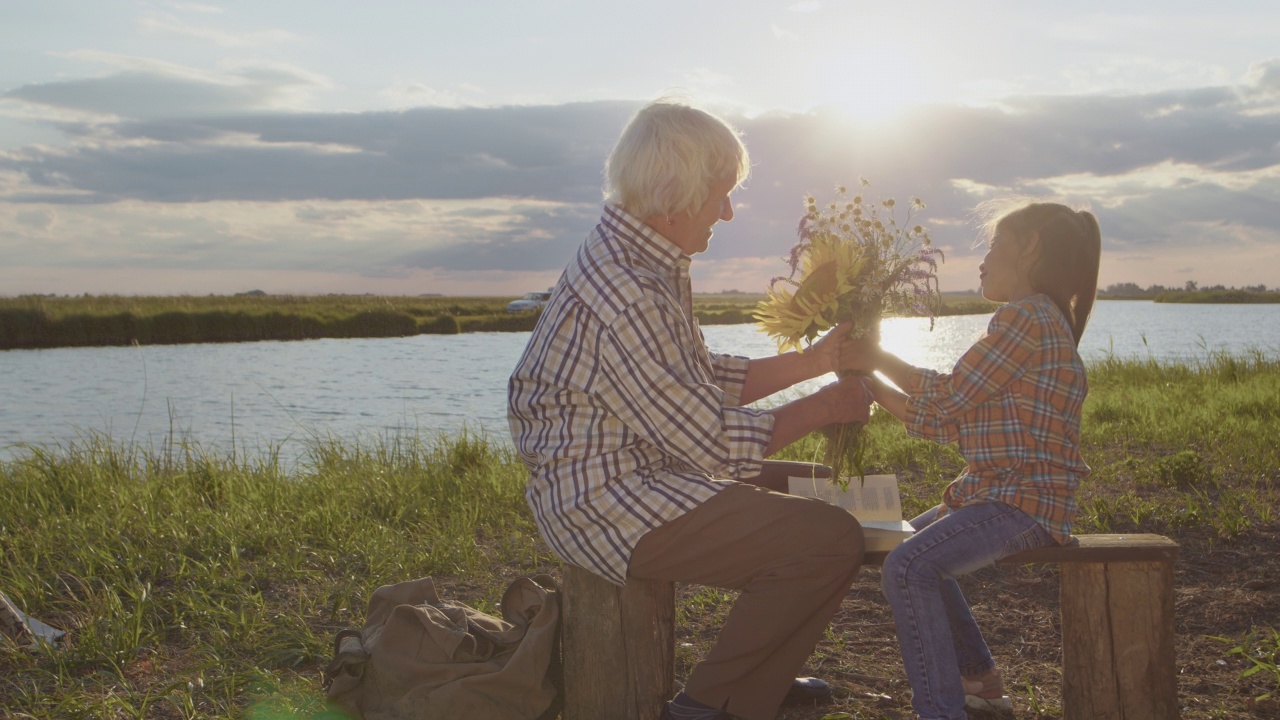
<point x="158" y="148"/>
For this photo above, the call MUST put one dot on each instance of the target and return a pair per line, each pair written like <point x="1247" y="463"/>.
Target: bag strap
<point x="348" y="657"/>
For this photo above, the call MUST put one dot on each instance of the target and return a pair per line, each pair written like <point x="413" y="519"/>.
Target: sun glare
<point x="875" y="98"/>
<point x="901" y="336"/>
<point x="877" y="78"/>
<point x="876" y="92"/>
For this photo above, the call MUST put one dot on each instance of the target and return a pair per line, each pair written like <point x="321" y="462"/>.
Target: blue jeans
<point x="937" y="634"/>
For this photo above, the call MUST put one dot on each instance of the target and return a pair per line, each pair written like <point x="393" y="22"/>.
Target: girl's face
<point x="1003" y="270"/>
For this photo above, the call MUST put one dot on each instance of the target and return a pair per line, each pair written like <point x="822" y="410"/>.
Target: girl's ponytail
<point x="1086" y="280"/>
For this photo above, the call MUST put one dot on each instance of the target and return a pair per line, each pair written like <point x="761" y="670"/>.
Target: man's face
<point x="692" y="233"/>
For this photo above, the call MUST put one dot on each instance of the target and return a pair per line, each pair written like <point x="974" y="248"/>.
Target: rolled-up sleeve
<point x="938" y="400"/>
<point x="731" y="375"/>
<point x="655" y="384"/>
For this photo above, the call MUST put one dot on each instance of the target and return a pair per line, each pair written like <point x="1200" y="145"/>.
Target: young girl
<point x="1012" y="403"/>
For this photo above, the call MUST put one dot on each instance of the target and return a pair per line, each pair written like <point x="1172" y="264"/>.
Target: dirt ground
<point x="1221" y="590"/>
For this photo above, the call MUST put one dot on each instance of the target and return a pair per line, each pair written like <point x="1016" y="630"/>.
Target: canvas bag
<point x="420" y="658"/>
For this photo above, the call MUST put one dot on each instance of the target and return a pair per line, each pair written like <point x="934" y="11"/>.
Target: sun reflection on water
<point x="911" y="339"/>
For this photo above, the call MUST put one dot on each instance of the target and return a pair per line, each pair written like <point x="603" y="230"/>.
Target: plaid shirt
<point x="1012" y="403"/>
<point x="620" y="413"/>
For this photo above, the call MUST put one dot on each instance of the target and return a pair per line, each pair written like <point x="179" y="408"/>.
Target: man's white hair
<point x="668" y="156"/>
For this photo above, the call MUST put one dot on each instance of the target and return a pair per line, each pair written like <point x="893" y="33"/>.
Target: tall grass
<point x="34" y="321"/>
<point x="199" y="583"/>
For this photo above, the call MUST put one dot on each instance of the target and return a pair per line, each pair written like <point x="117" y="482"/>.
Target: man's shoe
<point x="687" y="707"/>
<point x="984" y="696"/>
<point x="808" y="691"/>
<point x="804" y="691"/>
<point x="666" y="715"/>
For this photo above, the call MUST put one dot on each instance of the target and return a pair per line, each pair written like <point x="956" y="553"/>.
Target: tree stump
<point x="1117" y="641"/>
<point x="619" y="647"/>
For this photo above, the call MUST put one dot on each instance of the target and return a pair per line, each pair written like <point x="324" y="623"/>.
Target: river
<point x="277" y="395"/>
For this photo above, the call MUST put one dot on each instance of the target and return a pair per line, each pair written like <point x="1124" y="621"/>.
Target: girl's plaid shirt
<point x="1013" y="404"/>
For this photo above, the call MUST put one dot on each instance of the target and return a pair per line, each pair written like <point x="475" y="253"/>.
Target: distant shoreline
<point x="38" y="322"/>
<point x="41" y="322"/>
<point x="1204" y="297"/>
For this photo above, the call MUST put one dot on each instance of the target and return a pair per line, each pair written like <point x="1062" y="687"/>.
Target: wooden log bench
<point x="1116" y="597"/>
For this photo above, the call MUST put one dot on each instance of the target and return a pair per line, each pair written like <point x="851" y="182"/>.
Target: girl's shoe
<point x="984" y="696"/>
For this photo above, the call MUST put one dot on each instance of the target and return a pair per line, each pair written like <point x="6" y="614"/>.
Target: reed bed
<point x="1218" y="297"/>
<point x="37" y="321"/>
<point x="194" y="583"/>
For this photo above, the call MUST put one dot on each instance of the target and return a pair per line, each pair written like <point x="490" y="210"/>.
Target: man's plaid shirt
<point x="1012" y="403"/>
<point x="617" y="408"/>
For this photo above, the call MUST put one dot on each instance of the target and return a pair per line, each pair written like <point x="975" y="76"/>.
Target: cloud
<point x="369" y="239"/>
<point x="1264" y="77"/>
<point x="168" y="24"/>
<point x="782" y="33"/>
<point x="142" y="89"/>
<point x="212" y="180"/>
<point x="525" y="237"/>
<point x="706" y="80"/>
<point x="410" y="94"/>
<point x="553" y="153"/>
<point x="196" y="7"/>
<point x="39" y="220"/>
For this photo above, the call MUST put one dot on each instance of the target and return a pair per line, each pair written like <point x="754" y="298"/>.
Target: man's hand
<point x="829" y="348"/>
<point x="848" y="400"/>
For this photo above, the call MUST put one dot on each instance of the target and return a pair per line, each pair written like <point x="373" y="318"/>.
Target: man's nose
<point x="726" y="210"/>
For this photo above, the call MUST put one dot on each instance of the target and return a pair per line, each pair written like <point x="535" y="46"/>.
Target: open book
<point x="875" y="502"/>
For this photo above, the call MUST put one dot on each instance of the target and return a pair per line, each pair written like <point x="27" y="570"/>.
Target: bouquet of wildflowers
<point x="853" y="262"/>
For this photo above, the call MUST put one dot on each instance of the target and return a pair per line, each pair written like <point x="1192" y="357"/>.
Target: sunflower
<point x="831" y="269"/>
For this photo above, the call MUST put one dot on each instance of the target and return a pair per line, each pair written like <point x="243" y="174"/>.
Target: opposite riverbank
<point x="35" y="321"/>
<point x="197" y="584"/>
<point x="38" y="321"/>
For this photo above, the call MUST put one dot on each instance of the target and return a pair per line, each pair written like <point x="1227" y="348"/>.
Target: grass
<point x="37" y="321"/>
<point x="194" y="584"/>
<point x="1261" y="650"/>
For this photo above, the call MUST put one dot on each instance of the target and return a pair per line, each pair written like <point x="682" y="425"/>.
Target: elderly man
<point x="639" y="445"/>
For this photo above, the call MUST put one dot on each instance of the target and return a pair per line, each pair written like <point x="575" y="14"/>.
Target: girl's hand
<point x="860" y="356"/>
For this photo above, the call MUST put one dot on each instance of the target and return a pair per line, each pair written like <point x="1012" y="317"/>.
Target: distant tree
<point x="1191" y="286"/>
<point x="1126" y="288"/>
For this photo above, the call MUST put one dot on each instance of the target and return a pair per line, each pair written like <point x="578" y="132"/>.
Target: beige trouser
<point x="792" y="558"/>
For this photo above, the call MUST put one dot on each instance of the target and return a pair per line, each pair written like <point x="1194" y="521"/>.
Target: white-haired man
<point x="639" y="445"/>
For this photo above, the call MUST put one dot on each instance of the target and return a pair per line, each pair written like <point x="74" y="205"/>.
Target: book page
<point x="874" y="500"/>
